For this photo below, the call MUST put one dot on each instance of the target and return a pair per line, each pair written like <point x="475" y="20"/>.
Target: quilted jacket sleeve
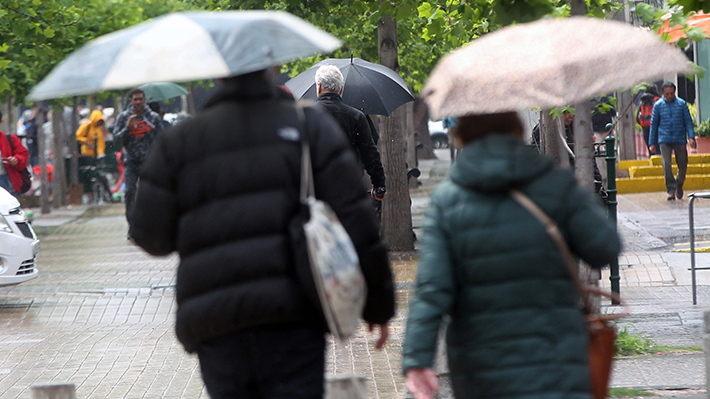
<point x="434" y="296"/>
<point x="590" y="234"/>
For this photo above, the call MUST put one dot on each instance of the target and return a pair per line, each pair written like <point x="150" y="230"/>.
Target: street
<point x="100" y="315"/>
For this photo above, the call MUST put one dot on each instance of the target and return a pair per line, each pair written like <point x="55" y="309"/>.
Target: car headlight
<point x="4" y="225"/>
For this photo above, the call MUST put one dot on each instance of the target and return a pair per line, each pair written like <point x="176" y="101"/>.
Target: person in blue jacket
<point x="671" y="130"/>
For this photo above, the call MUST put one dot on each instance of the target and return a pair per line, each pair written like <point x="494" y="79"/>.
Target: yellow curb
<point x="649" y="184"/>
<point x="701" y="249"/>
<point x="633" y="163"/>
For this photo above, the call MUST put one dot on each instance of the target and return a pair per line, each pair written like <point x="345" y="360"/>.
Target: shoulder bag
<point x="602" y="335"/>
<point x="332" y="268"/>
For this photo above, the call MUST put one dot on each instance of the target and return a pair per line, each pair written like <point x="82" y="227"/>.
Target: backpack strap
<point x="12" y="147"/>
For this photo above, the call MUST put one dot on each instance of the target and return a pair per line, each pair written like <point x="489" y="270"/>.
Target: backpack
<point x="645" y="113"/>
<point x="24" y="173"/>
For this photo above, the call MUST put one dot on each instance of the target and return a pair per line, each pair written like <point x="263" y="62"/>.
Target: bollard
<point x="345" y="387"/>
<point x="611" y="191"/>
<point x="54" y="391"/>
<point x="706" y="347"/>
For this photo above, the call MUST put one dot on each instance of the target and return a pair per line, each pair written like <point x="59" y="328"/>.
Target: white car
<point x="19" y="245"/>
<point x="439" y="136"/>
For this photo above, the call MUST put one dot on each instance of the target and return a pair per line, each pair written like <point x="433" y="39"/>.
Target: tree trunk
<point x="74" y="162"/>
<point x="550" y="139"/>
<point x="412" y="140"/>
<point x="421" y="125"/>
<point x="583" y="148"/>
<point x="60" y="178"/>
<point x="626" y="132"/>
<point x="10" y="116"/>
<point x="396" y="210"/>
<point x="191" y="100"/>
<point x="44" y="178"/>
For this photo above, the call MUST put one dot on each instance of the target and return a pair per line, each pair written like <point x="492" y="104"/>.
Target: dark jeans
<point x="681" y="159"/>
<point x="131" y="171"/>
<point x="275" y="362"/>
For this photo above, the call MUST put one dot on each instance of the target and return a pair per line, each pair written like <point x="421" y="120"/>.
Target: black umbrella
<point x="371" y="88"/>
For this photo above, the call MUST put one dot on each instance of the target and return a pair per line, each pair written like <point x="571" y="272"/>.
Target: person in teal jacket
<point x="488" y="266"/>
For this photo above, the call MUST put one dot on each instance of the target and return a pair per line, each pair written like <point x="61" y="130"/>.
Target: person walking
<point x="672" y="130"/>
<point x="329" y="88"/>
<point x="516" y="329"/>
<point x="221" y="189"/>
<point x="136" y="129"/>
<point x="645" y="112"/>
<point x="14" y="159"/>
<point x="91" y="136"/>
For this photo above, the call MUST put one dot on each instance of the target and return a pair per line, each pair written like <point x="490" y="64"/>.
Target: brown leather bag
<point x="602" y="336"/>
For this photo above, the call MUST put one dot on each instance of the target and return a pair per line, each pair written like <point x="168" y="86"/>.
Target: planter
<point x="703" y="146"/>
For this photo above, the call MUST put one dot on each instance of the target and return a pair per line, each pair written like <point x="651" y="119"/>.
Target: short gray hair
<point x="330" y="78"/>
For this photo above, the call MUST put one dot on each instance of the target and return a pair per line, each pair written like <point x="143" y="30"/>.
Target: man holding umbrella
<point x="329" y="86"/>
<point x="136" y="129"/>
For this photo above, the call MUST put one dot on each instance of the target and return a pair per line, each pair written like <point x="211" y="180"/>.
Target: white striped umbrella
<point x="183" y="47"/>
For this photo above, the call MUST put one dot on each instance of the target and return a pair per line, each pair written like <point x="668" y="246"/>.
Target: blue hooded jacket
<point x="670" y="122"/>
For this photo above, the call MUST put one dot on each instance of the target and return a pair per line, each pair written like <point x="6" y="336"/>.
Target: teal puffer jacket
<point x="516" y="330"/>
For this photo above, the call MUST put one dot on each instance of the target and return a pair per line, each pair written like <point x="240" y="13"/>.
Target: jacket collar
<point x="241" y="88"/>
<point x="330" y="96"/>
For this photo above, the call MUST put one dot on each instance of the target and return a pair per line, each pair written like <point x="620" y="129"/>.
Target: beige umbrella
<point x="548" y="63"/>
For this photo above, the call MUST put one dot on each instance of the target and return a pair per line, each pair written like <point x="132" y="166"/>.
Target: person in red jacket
<point x="14" y="159"/>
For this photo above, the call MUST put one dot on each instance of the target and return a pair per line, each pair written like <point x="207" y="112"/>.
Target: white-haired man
<point x="329" y="86"/>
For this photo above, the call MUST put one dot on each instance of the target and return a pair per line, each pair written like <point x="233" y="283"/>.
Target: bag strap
<point x="12" y="147"/>
<point x="307" y="188"/>
<point x="554" y="232"/>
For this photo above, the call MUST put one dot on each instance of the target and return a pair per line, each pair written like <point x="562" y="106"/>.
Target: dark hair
<point x="653" y="89"/>
<point x="668" y="84"/>
<point x="473" y="127"/>
<point x="135" y="91"/>
<point x="155" y="106"/>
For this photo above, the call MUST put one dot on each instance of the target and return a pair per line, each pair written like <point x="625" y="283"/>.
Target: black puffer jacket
<point x="221" y="189"/>
<point x="356" y="125"/>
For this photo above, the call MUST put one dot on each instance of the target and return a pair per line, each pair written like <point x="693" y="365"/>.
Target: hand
<point x="378" y="193"/>
<point x="384" y="334"/>
<point x="692" y="143"/>
<point x="132" y="122"/>
<point x="422" y="383"/>
<point x="652" y="148"/>
<point x="12" y="161"/>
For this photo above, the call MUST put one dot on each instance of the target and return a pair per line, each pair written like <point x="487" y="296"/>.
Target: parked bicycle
<point x="95" y="177"/>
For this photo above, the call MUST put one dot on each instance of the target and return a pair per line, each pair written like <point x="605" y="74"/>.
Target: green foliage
<point x="628" y="393"/>
<point x="633" y="344"/>
<point x="694" y="114"/>
<point x="703" y="130"/>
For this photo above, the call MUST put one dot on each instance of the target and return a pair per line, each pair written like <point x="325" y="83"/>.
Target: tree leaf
<point x="425" y="10"/>
<point x="49" y="32"/>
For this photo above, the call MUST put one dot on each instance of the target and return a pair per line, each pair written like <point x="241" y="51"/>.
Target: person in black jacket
<point x="329" y="87"/>
<point x="221" y="190"/>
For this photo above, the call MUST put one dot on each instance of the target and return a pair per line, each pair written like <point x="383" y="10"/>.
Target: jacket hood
<point x="96" y="116"/>
<point x="498" y="162"/>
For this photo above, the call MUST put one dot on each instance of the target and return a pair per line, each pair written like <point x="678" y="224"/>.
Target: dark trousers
<point x="646" y="134"/>
<point x="276" y="362"/>
<point x="131" y="171"/>
<point x="681" y="159"/>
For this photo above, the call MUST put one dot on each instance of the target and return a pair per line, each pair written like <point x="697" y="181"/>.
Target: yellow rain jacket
<point x="91" y="136"/>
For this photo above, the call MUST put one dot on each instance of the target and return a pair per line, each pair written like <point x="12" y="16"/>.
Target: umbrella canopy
<point x="161" y="91"/>
<point x="183" y="47"/>
<point x="371" y="88"/>
<point x="676" y="33"/>
<point x="548" y="63"/>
